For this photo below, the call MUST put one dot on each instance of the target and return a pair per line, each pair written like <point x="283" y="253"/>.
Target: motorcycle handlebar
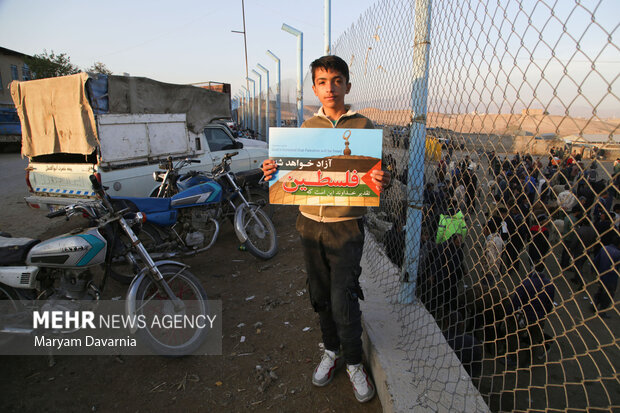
<point x="59" y="213"/>
<point x="95" y="183"/>
<point x="101" y="193"/>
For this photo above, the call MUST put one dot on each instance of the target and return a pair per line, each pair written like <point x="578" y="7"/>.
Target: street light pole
<point x="253" y="103"/>
<point x="264" y="69"/>
<point x="278" y="108"/>
<point x="245" y="107"/>
<point x="260" y="109"/>
<point x="300" y="74"/>
<point x="327" y="31"/>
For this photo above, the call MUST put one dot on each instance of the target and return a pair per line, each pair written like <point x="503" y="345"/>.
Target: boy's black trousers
<point x="332" y="253"/>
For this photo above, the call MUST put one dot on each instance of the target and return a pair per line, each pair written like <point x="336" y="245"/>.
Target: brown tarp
<point x="142" y="95"/>
<point x="55" y="115"/>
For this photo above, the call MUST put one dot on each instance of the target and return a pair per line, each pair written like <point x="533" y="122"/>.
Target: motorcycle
<point x="172" y="181"/>
<point x="188" y="223"/>
<point x="59" y="271"/>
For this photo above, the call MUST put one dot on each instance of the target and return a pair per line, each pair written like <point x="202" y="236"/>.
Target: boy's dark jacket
<point x="350" y="120"/>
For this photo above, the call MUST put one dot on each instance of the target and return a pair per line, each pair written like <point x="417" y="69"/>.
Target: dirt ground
<point x="264" y="301"/>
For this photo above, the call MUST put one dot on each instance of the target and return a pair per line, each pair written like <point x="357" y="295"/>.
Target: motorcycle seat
<point x="250" y="177"/>
<point x="13" y="251"/>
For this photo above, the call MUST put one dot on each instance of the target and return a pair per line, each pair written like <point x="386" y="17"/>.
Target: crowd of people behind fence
<point x="533" y="205"/>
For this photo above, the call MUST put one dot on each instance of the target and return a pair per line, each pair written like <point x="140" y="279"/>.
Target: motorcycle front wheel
<point x="259" y="232"/>
<point x="8" y="293"/>
<point x="260" y="197"/>
<point x="151" y="304"/>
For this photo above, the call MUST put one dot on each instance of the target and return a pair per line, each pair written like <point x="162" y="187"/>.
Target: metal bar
<point x="300" y="74"/>
<point x="417" y="147"/>
<point x="278" y="90"/>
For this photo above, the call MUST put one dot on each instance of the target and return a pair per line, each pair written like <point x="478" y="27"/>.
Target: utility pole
<point x="245" y="43"/>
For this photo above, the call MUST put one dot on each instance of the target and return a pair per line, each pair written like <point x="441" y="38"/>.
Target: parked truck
<point x="120" y="128"/>
<point x="10" y="128"/>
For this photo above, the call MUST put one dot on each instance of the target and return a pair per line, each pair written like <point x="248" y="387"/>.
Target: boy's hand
<point x="269" y="167"/>
<point x="380" y="178"/>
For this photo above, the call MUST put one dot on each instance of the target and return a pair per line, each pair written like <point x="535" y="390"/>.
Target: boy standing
<point x="332" y="238"/>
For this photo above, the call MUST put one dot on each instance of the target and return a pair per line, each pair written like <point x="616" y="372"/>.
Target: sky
<point x="182" y="41"/>
<point x="538" y="52"/>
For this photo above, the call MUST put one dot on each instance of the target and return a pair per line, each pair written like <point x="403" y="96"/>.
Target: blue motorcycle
<point x="172" y="180"/>
<point x="188" y="222"/>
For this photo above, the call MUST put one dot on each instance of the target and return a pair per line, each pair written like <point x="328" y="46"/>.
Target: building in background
<point x="12" y="67"/>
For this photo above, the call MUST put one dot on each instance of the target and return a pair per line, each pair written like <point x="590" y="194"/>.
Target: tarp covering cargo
<point x="143" y="95"/>
<point x="56" y="115"/>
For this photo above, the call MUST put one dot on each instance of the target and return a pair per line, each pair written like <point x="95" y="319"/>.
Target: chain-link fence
<point x="516" y="256"/>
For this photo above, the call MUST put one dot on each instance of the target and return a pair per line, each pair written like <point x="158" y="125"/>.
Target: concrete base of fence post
<point x="413" y="367"/>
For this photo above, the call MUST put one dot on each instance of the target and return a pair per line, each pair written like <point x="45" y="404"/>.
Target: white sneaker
<point x="325" y="371"/>
<point x="362" y="384"/>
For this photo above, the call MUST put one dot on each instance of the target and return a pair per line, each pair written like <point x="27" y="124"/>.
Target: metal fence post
<point x="278" y="89"/>
<point x="264" y="69"/>
<point x="300" y="73"/>
<point x="253" y="103"/>
<point x="260" y="109"/>
<point x="417" y="139"/>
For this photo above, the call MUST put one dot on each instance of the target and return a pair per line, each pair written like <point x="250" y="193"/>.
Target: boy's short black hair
<point x="332" y="62"/>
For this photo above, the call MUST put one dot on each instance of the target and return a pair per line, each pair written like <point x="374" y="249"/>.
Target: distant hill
<point x="500" y="123"/>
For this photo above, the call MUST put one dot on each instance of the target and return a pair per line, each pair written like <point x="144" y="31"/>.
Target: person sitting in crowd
<point x="540" y="246"/>
<point x="607" y="264"/>
<point x="526" y="312"/>
<point x="581" y="248"/>
<point x="518" y="235"/>
<point x="495" y="232"/>
<point x="605" y="202"/>
<point x="569" y="235"/>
